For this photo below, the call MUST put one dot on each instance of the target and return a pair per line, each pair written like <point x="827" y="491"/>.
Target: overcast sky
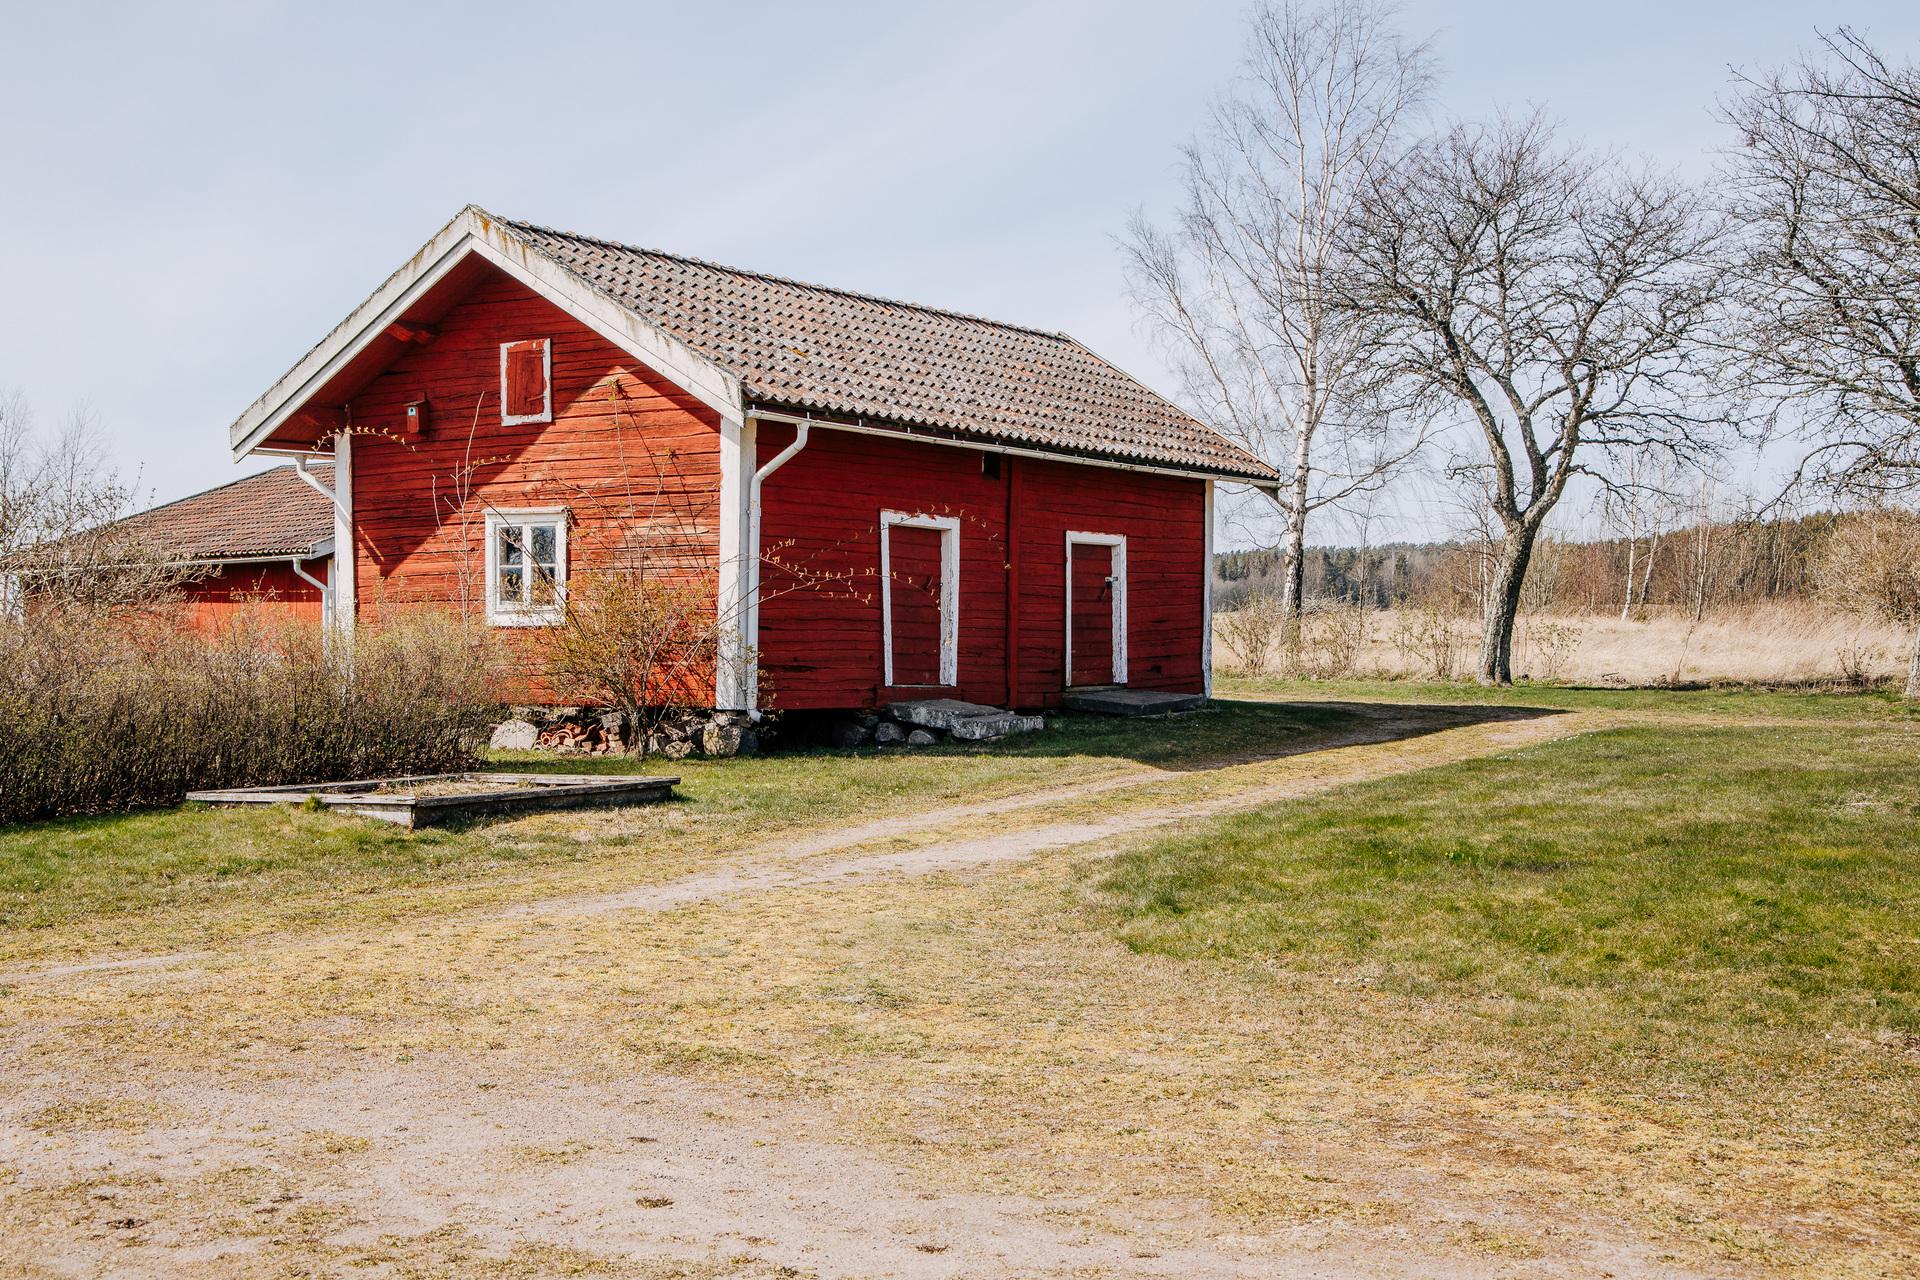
<point x="195" y="194"/>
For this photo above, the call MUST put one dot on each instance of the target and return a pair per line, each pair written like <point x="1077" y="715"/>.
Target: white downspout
<point x="752" y="557"/>
<point x="340" y="594"/>
<point x="326" y="594"/>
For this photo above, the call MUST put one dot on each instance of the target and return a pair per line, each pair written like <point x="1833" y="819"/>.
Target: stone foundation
<point x="595" y="731"/>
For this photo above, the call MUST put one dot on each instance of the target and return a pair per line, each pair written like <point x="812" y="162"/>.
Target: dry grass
<point x="1776" y="644"/>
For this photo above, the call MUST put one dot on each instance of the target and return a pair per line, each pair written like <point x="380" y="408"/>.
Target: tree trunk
<point x="1503" y="605"/>
<point x="1292" y="595"/>
<point x="1626" y="596"/>
<point x="1913" y="667"/>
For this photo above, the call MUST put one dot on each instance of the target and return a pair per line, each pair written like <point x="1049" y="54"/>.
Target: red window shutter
<point x="523" y="377"/>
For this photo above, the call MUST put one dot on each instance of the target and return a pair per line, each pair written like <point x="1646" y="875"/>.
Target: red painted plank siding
<point x="820" y="625"/>
<point x="264" y="592"/>
<point x="634" y="459"/>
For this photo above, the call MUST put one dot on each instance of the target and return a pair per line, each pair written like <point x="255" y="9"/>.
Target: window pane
<point x="509" y="545"/>
<point x="544" y="537"/>
<point x="513" y="582"/>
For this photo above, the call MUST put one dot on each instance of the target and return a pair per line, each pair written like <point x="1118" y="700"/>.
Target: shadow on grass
<point x="1227" y="732"/>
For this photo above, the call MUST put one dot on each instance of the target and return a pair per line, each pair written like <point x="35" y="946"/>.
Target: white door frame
<point x="1119" y="580"/>
<point x="949" y="529"/>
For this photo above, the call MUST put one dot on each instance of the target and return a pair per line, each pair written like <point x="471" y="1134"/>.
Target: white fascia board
<point x="474" y="232"/>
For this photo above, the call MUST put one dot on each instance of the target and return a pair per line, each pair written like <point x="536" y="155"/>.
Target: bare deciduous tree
<point x="1827" y="185"/>
<point x="64" y="536"/>
<point x="1241" y="287"/>
<point x="1552" y="302"/>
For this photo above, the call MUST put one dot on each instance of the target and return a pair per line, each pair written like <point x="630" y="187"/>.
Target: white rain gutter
<point x="339" y="587"/>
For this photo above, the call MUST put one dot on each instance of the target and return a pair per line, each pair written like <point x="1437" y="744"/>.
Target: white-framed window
<point x="949" y="593"/>
<point x="526" y="567"/>
<point x="526" y="381"/>
<point x="1115" y="554"/>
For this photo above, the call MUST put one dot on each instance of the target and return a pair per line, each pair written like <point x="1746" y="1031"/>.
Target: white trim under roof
<point x="473" y="232"/>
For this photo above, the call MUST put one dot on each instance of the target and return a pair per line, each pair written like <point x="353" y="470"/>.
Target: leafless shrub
<point x="1333" y="635"/>
<point x="1554" y="644"/>
<point x="1435" y="637"/>
<point x="1856" y="657"/>
<point x="1252" y="632"/>
<point x="1871" y="565"/>
<point x="103" y="711"/>
<point x="646" y="645"/>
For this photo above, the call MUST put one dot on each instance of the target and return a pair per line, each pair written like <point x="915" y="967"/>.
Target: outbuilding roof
<point x="272" y="514"/>
<point x="809" y="347"/>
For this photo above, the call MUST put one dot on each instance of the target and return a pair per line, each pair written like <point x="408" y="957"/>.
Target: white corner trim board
<point x="1206" y="599"/>
<point x="949" y="527"/>
<point x="1119" y="544"/>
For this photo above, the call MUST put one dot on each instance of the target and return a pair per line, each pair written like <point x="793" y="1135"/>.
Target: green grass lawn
<point x="178" y="876"/>
<point x="1677" y="913"/>
<point x="1706" y="700"/>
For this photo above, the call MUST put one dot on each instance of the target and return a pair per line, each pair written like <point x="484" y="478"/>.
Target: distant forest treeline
<point x="1697" y="568"/>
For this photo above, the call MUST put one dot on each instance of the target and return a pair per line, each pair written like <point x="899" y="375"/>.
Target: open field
<point x="1776" y="644"/>
<point x="1377" y="980"/>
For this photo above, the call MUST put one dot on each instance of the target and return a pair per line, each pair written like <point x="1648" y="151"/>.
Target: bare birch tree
<point x="1551" y="303"/>
<point x="1827" y="184"/>
<point x="1240" y="287"/>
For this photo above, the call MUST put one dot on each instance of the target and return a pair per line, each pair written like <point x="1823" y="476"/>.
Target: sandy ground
<point x="165" y="1116"/>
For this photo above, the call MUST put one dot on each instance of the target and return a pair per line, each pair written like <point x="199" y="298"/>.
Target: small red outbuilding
<point x="261" y="544"/>
<point x="887" y="499"/>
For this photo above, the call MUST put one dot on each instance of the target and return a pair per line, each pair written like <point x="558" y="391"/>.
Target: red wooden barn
<point x="885" y="499"/>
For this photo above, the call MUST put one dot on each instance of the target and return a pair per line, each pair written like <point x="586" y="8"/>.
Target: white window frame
<point x="546" y="376"/>
<point x="1119" y="544"/>
<point x="514" y="614"/>
<point x="949" y="529"/>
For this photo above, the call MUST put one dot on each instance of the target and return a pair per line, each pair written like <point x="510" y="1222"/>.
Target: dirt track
<point x="205" y="1137"/>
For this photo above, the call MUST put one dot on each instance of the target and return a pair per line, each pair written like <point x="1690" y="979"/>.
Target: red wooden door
<point x="1091" y="614"/>
<point x="913" y="586"/>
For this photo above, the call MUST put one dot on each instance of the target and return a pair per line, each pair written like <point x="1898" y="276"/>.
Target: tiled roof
<point x="275" y="513"/>
<point x="805" y="347"/>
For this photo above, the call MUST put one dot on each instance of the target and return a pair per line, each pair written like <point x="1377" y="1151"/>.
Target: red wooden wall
<point x="634" y="459"/>
<point x="270" y="592"/>
<point x="820" y="621"/>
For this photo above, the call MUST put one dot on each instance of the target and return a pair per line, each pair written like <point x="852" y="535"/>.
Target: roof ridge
<point x="794" y="281"/>
<point x="204" y="493"/>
